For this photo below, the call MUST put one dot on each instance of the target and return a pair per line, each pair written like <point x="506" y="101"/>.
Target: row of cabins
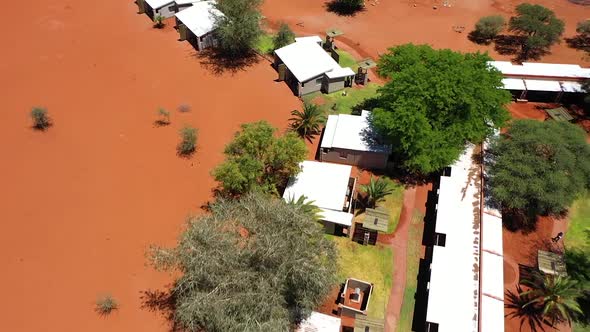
<point x="543" y="82"/>
<point x="195" y="20"/>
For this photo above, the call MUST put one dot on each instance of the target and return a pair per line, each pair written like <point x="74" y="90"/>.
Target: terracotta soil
<point x="82" y="201"/>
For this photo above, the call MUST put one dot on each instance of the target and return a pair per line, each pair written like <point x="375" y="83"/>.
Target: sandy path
<point x="81" y="202"/>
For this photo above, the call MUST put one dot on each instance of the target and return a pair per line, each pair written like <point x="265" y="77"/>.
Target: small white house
<point x="196" y="24"/>
<point x="330" y="187"/>
<point x="349" y="139"/>
<point x="318" y="322"/>
<point x="164" y="8"/>
<point x="306" y="67"/>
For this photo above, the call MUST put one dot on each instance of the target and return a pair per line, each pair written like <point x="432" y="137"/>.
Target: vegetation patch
<point x="369" y="263"/>
<point x="347" y="101"/>
<point x="265" y="43"/>
<point x="105" y="305"/>
<point x="413" y="256"/>
<point x="347" y="60"/>
<point x="393" y="204"/>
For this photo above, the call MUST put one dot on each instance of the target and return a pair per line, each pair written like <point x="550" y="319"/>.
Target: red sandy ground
<point x="390" y="23"/>
<point x="81" y="202"/>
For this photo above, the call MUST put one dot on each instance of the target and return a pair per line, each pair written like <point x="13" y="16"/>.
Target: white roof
<point x="325" y="184"/>
<point x="306" y="59"/>
<point x="455" y="267"/>
<point x="155" y="4"/>
<point x="200" y="18"/>
<point x="491" y="233"/>
<point x="337" y="217"/>
<point x="492" y="315"/>
<point x="184" y="2"/>
<point x="315" y="39"/>
<point x="351" y="132"/>
<point x="340" y="72"/>
<point x="318" y="322"/>
<point x="541" y="69"/>
<point x="492" y="275"/>
<point x="571" y="87"/>
<point x="513" y="84"/>
<point x="542" y="85"/>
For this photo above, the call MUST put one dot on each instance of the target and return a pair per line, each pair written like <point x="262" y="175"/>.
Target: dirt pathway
<point x="399" y="244"/>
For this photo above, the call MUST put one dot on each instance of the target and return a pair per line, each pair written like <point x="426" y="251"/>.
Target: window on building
<point x="446" y="171"/>
<point x="319" y="80"/>
<point x="172" y="9"/>
<point x="440" y="239"/>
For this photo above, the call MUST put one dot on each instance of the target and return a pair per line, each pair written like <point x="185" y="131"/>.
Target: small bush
<point x="163" y="117"/>
<point x="188" y="141"/>
<point x="487" y="28"/>
<point x="40" y="118"/>
<point x="583" y="28"/>
<point x="158" y="21"/>
<point x="105" y="305"/>
<point x="284" y="37"/>
<point x="184" y="108"/>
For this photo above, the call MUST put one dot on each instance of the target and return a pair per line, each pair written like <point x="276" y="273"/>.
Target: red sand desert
<point x="81" y="202"/>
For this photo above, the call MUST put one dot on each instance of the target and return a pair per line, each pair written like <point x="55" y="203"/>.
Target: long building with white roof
<point x="542" y="81"/>
<point x="465" y="290"/>
<point x="306" y="67"/>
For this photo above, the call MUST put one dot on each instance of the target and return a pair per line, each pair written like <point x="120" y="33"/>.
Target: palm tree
<point x="554" y="296"/>
<point x="376" y="190"/>
<point x="306" y="207"/>
<point x="308" y="122"/>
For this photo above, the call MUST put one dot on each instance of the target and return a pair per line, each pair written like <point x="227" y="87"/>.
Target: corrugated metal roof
<point x="352" y="132"/>
<point x="200" y="17"/>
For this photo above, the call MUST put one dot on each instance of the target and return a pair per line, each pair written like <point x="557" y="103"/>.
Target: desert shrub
<point x="188" y="141"/>
<point x="106" y="304"/>
<point x="158" y="21"/>
<point x="583" y="28"/>
<point x="40" y="118"/>
<point x="284" y="37"/>
<point x="163" y="117"/>
<point x="184" y="108"/>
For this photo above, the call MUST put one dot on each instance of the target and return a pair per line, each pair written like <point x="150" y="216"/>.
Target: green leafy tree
<point x="436" y="101"/>
<point x="554" y="296"/>
<point x="539" y="25"/>
<point x="307" y="122"/>
<point x="487" y="28"/>
<point x="188" y="141"/>
<point x="306" y="206"/>
<point x="539" y="167"/>
<point x="238" y="29"/>
<point x="257" y="160"/>
<point x="254" y="264"/>
<point x="40" y="118"/>
<point x="283" y="37"/>
<point x="376" y="190"/>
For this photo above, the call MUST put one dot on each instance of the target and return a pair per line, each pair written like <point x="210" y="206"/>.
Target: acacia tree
<point x="539" y="25"/>
<point x="539" y="167"/>
<point x="437" y="101"/>
<point x="238" y="29"/>
<point x="254" y="264"/>
<point x="257" y="160"/>
<point x="284" y="36"/>
<point x="487" y="28"/>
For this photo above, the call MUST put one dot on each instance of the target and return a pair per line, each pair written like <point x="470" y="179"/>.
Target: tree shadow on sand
<point x="530" y="314"/>
<point x="513" y="45"/>
<point x="578" y="42"/>
<point x="162" y="303"/>
<point x="219" y="63"/>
